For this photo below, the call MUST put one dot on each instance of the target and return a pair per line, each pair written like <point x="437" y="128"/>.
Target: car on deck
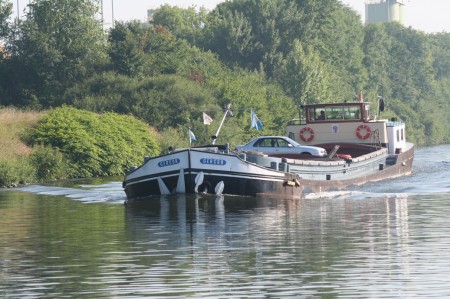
<point x="280" y="146"/>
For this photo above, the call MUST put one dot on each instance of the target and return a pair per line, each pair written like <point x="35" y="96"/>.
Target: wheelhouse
<point x="345" y="124"/>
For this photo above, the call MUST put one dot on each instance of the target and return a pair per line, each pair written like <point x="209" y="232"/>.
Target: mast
<point x="227" y="111"/>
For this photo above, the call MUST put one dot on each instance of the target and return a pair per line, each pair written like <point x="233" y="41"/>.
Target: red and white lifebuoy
<point x="307" y="134"/>
<point x="363" y="131"/>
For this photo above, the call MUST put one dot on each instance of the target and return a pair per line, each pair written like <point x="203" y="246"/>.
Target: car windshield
<point x="293" y="142"/>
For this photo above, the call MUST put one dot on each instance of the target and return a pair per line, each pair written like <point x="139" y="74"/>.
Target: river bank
<point x="15" y="167"/>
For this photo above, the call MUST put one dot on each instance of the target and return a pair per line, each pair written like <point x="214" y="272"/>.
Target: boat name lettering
<point x="212" y="161"/>
<point x="170" y="162"/>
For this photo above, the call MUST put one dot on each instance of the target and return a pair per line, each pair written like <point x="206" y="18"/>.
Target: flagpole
<point x="189" y="136"/>
<point x="221" y="123"/>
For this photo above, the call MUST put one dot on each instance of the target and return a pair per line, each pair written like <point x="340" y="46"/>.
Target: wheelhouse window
<point x="312" y="114"/>
<point x="334" y="113"/>
<point x="352" y="112"/>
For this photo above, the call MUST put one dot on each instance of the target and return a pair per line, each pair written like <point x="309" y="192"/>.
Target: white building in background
<point x="381" y="11"/>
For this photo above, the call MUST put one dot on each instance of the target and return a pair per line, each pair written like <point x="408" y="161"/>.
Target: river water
<point x="78" y="239"/>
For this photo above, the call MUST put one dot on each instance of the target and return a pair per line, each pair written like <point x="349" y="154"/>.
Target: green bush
<point x="8" y="174"/>
<point x="94" y="144"/>
<point x="15" y="172"/>
<point x="48" y="163"/>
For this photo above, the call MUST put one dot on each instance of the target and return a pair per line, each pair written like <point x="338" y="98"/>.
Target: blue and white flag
<point x="191" y="137"/>
<point x="256" y="123"/>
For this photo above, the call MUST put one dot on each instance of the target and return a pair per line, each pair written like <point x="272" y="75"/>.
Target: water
<point x="78" y="240"/>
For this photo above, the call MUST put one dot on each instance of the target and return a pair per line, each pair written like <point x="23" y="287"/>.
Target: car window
<point x="263" y="142"/>
<point x="282" y="143"/>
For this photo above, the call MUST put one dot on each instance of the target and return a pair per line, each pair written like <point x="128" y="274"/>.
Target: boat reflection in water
<point x="339" y="232"/>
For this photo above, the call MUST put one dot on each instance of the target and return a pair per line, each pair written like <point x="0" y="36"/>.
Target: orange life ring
<point x="307" y="134"/>
<point x="363" y="128"/>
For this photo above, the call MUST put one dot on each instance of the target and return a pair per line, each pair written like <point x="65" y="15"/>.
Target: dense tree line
<point x="268" y="55"/>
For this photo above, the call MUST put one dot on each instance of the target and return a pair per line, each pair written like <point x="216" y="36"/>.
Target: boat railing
<point x="327" y="162"/>
<point x="379" y="152"/>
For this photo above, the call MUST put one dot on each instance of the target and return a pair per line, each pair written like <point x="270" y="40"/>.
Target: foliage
<point x="58" y="44"/>
<point x="14" y="165"/>
<point x="13" y="124"/>
<point x="5" y="12"/>
<point x="440" y="47"/>
<point x="174" y="138"/>
<point x="306" y="78"/>
<point x="7" y="175"/>
<point x="126" y="49"/>
<point x="13" y="172"/>
<point x="183" y="23"/>
<point x="245" y="91"/>
<point x="152" y="99"/>
<point x="147" y="51"/>
<point x="49" y="163"/>
<point x="245" y="32"/>
<point x="95" y="145"/>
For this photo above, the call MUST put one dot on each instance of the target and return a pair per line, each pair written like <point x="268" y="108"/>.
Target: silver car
<point x="281" y="146"/>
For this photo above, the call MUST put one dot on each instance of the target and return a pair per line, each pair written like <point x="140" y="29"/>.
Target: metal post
<point x="221" y="123"/>
<point x="112" y="12"/>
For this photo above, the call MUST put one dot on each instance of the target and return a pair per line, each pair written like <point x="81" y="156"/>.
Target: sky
<point x="426" y="15"/>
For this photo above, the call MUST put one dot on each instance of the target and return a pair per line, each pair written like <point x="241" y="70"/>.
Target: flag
<point x="229" y="112"/>
<point x="361" y="97"/>
<point x="207" y="120"/>
<point x="256" y="123"/>
<point x="191" y="137"/>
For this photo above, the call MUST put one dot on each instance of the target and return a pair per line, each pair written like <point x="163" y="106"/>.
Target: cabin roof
<point x="340" y="104"/>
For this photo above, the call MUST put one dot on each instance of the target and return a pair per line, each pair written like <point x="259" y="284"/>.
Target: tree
<point x="440" y="46"/>
<point x="5" y="12"/>
<point x="126" y="48"/>
<point x="182" y="23"/>
<point x="377" y="45"/>
<point x="138" y="51"/>
<point x="58" y="44"/>
<point x="246" y="33"/>
<point x="230" y="36"/>
<point x="306" y="78"/>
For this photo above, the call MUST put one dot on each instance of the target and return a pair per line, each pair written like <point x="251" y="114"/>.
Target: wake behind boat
<point x="360" y="149"/>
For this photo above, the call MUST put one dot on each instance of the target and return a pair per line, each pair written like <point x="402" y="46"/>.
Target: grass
<point x="13" y="123"/>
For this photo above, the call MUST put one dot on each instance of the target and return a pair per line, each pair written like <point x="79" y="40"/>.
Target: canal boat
<point x="361" y="147"/>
